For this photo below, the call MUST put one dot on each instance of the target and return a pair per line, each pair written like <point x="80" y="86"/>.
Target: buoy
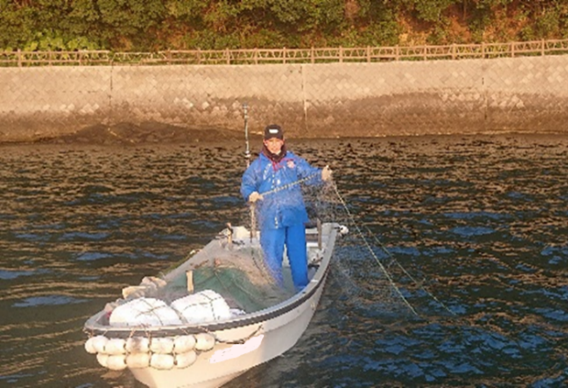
<point x="137" y="345"/>
<point x="184" y="343"/>
<point x="204" y="341"/>
<point x="102" y="359"/>
<point x="99" y="343"/>
<point x="116" y="362"/>
<point x="138" y="360"/>
<point x="183" y="360"/>
<point x="115" y="346"/>
<point x="162" y="361"/>
<point x="163" y="345"/>
<point x="89" y="347"/>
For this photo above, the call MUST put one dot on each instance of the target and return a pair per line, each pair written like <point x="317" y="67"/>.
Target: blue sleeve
<point x="250" y="181"/>
<point x="306" y="170"/>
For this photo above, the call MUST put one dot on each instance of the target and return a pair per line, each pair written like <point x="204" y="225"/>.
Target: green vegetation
<point x="151" y="25"/>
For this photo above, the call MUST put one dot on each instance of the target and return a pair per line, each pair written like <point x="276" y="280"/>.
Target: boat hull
<point x="239" y="343"/>
<point x="278" y="335"/>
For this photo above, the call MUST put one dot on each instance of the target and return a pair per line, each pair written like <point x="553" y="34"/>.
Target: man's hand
<point x="326" y="174"/>
<point x="255" y="196"/>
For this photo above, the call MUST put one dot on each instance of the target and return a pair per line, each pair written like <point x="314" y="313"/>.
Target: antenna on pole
<point x="247" y="147"/>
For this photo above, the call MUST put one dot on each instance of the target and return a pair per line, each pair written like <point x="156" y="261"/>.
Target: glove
<point x="255" y="196"/>
<point x="326" y="173"/>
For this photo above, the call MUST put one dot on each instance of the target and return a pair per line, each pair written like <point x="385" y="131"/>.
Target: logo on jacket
<point x="290" y="164"/>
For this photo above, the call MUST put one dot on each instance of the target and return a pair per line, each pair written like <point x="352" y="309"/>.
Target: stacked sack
<point x="204" y="306"/>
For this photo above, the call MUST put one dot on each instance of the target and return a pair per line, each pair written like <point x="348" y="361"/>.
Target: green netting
<point x="238" y="276"/>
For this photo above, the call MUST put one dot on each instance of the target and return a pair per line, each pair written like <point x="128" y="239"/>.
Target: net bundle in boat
<point x="238" y="275"/>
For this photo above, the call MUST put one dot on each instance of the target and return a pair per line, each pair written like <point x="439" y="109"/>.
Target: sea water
<point x="454" y="272"/>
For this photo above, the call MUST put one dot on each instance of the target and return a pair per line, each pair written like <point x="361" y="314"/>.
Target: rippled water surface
<point x="471" y="230"/>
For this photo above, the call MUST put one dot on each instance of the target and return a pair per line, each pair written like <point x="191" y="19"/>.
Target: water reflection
<point x="479" y="222"/>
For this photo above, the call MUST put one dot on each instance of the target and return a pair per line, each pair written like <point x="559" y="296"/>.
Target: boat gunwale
<point x="318" y="280"/>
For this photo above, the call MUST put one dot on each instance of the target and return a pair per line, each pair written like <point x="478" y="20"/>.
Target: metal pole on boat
<point x="247" y="157"/>
<point x="247" y="148"/>
<point x="318" y="221"/>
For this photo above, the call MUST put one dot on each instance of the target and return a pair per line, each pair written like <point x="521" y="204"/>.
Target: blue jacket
<point x="283" y="207"/>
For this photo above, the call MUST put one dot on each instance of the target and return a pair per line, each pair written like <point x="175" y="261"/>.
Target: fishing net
<point x="363" y="268"/>
<point x="359" y="269"/>
<point x="238" y="275"/>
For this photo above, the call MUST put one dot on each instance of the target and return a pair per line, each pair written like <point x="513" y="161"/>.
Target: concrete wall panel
<point x="525" y="94"/>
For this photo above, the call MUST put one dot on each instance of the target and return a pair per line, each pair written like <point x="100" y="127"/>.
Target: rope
<point x="383" y="269"/>
<point x="238" y="341"/>
<point x="407" y="274"/>
<point x="288" y="185"/>
<point x="380" y="244"/>
<point x="385" y="272"/>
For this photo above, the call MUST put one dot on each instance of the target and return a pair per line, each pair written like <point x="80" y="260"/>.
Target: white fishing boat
<point x="213" y="317"/>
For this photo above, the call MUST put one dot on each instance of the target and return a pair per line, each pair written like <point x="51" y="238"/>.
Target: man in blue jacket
<point x="272" y="183"/>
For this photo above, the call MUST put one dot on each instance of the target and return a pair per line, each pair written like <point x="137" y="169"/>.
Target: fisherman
<point x="271" y="183"/>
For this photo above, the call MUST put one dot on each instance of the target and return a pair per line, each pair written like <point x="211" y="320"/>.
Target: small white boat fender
<point x="162" y="361"/>
<point x="138" y="360"/>
<point x="144" y="312"/>
<point x="204" y="341"/>
<point x="137" y="345"/>
<point x="184" y="343"/>
<point x="116" y="362"/>
<point x="162" y="345"/>
<point x="204" y="306"/>
<point x="183" y="360"/>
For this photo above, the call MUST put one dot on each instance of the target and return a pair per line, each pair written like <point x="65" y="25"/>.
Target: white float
<point x="90" y="347"/>
<point x="138" y="360"/>
<point x="115" y="346"/>
<point x="102" y="359"/>
<point x="116" y="362"/>
<point x="204" y="341"/>
<point x="98" y="343"/>
<point x="183" y="360"/>
<point x="162" y="361"/>
<point x="137" y="345"/>
<point x="162" y="345"/>
<point x="184" y="343"/>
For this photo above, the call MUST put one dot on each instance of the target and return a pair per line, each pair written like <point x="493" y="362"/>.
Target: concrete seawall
<point x="527" y="94"/>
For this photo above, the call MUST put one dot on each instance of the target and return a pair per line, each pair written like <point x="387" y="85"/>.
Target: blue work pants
<point x="294" y="238"/>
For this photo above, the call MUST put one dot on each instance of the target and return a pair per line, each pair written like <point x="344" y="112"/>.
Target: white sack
<point x="146" y="312"/>
<point x="204" y="306"/>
